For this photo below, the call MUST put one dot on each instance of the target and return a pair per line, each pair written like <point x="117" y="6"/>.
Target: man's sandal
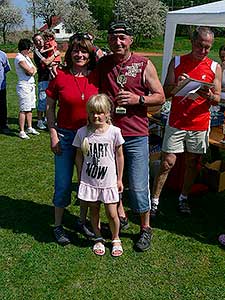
<point x="117" y="250"/>
<point x="99" y="248"/>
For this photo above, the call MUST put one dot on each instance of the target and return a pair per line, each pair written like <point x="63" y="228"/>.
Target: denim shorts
<point x="42" y="98"/>
<point x="136" y="154"/>
<point x="64" y="166"/>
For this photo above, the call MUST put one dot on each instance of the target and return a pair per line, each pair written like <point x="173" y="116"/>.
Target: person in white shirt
<point x="25" y="88"/>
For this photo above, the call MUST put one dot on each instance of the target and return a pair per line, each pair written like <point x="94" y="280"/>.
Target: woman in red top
<point x="70" y="89"/>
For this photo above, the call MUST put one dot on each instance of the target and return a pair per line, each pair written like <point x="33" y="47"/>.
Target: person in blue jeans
<point x="4" y="68"/>
<point x="132" y="84"/>
<point x="71" y="89"/>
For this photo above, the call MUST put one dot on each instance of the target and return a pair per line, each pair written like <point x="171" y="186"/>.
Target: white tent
<point x="212" y="14"/>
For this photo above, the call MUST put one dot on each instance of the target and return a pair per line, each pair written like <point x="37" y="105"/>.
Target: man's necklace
<point x="121" y="79"/>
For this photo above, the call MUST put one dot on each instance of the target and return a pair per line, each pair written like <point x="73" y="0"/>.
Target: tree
<point x="102" y="12"/>
<point x="79" y="18"/>
<point x="10" y="18"/>
<point x="146" y="17"/>
<point x="46" y="9"/>
<point x="32" y="10"/>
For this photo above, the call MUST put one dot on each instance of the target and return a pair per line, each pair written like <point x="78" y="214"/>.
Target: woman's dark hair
<point x="24" y="44"/>
<point x="82" y="42"/>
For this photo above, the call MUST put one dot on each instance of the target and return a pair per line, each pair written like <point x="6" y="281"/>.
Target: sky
<point x="22" y="4"/>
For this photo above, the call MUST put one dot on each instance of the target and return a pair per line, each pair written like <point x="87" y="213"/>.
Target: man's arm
<point x="151" y="81"/>
<point x="47" y="61"/>
<point x="170" y="81"/>
<point x="212" y="95"/>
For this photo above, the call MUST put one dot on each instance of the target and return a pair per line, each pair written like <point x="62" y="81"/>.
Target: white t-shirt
<point x="99" y="165"/>
<point x="22" y="76"/>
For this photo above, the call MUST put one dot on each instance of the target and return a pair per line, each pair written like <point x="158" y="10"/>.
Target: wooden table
<point x="215" y="136"/>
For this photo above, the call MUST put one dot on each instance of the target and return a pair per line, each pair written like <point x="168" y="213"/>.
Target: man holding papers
<point x="189" y="120"/>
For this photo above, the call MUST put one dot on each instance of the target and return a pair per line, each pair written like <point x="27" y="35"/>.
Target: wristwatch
<point x="142" y="100"/>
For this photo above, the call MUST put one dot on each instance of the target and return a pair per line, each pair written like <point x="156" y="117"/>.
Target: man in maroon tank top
<point x="132" y="84"/>
<point x="189" y="120"/>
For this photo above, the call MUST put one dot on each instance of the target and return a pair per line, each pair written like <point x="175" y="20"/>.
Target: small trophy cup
<point x="121" y="80"/>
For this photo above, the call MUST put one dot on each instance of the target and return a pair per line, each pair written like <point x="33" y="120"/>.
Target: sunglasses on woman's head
<point x="79" y="36"/>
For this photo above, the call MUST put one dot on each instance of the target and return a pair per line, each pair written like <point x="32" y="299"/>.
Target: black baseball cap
<point x="120" y="27"/>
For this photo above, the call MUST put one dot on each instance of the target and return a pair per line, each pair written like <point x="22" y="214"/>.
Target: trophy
<point x="121" y="80"/>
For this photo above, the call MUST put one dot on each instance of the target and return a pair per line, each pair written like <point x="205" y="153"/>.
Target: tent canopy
<point x="212" y="14"/>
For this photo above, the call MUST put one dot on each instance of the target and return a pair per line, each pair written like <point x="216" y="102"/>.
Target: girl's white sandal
<point x="99" y="248"/>
<point x="117" y="250"/>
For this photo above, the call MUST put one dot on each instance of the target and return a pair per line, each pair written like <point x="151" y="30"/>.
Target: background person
<point x="4" y="68"/>
<point x="188" y="125"/>
<point x="51" y="46"/>
<point x="42" y="62"/>
<point x="99" y="162"/>
<point x="71" y="88"/>
<point x="132" y="83"/>
<point x="25" y="88"/>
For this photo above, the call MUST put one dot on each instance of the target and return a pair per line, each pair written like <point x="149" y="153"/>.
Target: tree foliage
<point x="78" y="17"/>
<point x="102" y="12"/>
<point x="46" y="9"/>
<point x="147" y="17"/>
<point x="10" y="18"/>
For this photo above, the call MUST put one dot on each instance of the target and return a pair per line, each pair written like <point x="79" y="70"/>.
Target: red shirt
<point x="192" y="114"/>
<point x="135" y="121"/>
<point x="68" y="89"/>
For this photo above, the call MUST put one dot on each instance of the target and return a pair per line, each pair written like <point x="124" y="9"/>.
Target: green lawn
<point x="185" y="261"/>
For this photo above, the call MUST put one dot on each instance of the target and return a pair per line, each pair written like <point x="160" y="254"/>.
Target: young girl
<point x="99" y="161"/>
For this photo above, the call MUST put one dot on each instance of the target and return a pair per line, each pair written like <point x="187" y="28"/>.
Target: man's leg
<point x="3" y="109"/>
<point x="190" y="174"/>
<point x="167" y="163"/>
<point x="191" y="171"/>
<point x="136" y="152"/>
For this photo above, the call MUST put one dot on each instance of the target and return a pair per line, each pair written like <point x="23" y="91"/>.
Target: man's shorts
<point x="42" y="98"/>
<point x="26" y="96"/>
<point x="178" y="140"/>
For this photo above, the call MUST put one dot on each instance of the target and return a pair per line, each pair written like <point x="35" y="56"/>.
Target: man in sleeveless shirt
<point x="188" y="125"/>
<point x="132" y="84"/>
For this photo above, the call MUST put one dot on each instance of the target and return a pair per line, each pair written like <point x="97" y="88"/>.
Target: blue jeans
<point x="42" y="98"/>
<point x="136" y="154"/>
<point x="64" y="166"/>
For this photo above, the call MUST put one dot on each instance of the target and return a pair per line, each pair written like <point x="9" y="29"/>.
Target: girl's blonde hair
<point x="100" y="103"/>
<point x="97" y="103"/>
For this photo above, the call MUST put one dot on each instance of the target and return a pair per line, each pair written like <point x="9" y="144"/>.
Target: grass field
<point x="185" y="261"/>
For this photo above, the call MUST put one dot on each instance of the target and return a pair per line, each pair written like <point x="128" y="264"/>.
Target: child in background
<point x="99" y="162"/>
<point x="50" y="46"/>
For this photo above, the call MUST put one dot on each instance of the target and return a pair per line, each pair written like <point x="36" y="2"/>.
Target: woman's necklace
<point x="82" y="91"/>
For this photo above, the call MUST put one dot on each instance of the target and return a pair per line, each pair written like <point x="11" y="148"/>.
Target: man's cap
<point x="120" y="27"/>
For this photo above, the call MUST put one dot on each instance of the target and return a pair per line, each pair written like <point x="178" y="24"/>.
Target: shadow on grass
<point x="204" y="225"/>
<point x="205" y="222"/>
<point x="24" y="216"/>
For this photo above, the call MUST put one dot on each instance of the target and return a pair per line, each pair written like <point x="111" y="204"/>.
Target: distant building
<point x="62" y="35"/>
